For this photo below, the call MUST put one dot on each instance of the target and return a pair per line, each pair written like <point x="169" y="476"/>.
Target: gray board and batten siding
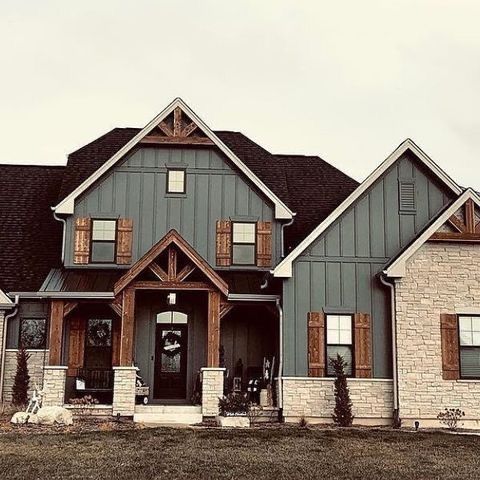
<point x="337" y="273"/>
<point x="136" y="188"/>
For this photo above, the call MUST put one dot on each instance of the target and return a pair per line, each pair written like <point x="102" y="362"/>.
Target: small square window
<point x="243" y="244"/>
<point x="33" y="333"/>
<point x="104" y="234"/>
<point x="175" y="181"/>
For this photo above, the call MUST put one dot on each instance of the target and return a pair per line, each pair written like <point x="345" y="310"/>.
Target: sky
<point x="345" y="80"/>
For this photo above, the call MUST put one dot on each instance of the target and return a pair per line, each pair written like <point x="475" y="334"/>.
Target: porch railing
<point x="96" y="379"/>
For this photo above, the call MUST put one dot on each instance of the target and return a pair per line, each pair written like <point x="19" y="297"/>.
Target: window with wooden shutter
<point x="124" y="241"/>
<point x="264" y="244"/>
<point x="450" y="345"/>
<point x="81" y="253"/>
<point x="316" y="344"/>
<point x="224" y="243"/>
<point x="363" y="345"/>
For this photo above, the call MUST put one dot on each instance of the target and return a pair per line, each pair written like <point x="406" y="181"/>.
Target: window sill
<point x="175" y="195"/>
<point x="468" y="380"/>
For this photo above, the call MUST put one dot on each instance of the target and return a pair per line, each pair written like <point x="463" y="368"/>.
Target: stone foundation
<point x="212" y="390"/>
<point x="440" y="278"/>
<point x="35" y="369"/>
<point x="124" y="391"/>
<point x="313" y="399"/>
<point x="54" y="385"/>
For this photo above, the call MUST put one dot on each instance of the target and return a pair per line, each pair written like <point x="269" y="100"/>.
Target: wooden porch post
<point x="213" y="329"/>
<point x="127" y="329"/>
<point x="56" y="332"/>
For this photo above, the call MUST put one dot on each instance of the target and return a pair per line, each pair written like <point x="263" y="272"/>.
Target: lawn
<point x="274" y="453"/>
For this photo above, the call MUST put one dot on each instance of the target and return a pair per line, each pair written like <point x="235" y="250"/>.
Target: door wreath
<point x="171" y="344"/>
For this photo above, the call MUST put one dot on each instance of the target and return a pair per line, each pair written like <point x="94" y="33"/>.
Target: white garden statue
<point x="37" y="414"/>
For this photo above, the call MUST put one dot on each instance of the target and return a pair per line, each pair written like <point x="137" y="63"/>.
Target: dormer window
<point x="175" y="181"/>
<point x="103" y="241"/>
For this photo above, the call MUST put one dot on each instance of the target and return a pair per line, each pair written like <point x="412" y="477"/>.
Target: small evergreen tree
<point x="22" y="379"/>
<point x="342" y="414"/>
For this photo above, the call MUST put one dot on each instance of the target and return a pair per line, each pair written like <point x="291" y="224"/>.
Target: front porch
<point x="171" y="321"/>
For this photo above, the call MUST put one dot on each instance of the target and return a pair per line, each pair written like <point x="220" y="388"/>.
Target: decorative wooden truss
<point x="463" y="226"/>
<point x="177" y="128"/>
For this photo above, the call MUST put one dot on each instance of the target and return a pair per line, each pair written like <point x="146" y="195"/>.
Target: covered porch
<point x="171" y="320"/>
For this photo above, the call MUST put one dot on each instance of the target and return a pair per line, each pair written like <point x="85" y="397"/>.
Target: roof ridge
<point x="29" y="165"/>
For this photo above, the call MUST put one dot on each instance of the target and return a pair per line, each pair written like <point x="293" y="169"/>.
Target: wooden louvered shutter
<point x="264" y="244"/>
<point x="363" y="345"/>
<point x="124" y="241"/>
<point x="316" y="344"/>
<point x="76" y="344"/>
<point x="224" y="243"/>
<point x="450" y="346"/>
<point x="81" y="254"/>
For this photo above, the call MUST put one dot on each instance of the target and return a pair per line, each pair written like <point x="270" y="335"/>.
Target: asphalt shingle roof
<point x="30" y="240"/>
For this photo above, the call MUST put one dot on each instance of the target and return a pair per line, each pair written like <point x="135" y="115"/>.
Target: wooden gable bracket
<point x="176" y="128"/>
<point x="466" y="231"/>
<point x="172" y="243"/>
<point x="225" y="308"/>
<point x="68" y="307"/>
<point x="116" y="305"/>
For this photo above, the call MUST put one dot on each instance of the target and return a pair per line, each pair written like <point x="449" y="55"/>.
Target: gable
<point x="176" y="124"/>
<point x="459" y="222"/>
<point x="362" y="225"/>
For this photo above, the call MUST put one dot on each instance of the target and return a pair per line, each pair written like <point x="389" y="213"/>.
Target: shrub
<point x="302" y="423"/>
<point x="234" y="404"/>
<point x="22" y="379"/>
<point x="342" y="414"/>
<point x="450" y="417"/>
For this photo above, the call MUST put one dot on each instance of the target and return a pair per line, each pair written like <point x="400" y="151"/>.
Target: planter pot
<point x="240" y="421"/>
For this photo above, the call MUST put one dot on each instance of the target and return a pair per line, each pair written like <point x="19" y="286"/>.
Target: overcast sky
<point x="344" y="80"/>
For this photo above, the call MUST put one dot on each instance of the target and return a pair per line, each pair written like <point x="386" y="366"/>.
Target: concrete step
<point x="168" y="414"/>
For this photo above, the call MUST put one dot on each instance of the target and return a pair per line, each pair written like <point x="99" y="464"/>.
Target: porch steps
<point x="168" y="414"/>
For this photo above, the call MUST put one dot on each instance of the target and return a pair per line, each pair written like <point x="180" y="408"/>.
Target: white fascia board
<point x="66" y="206"/>
<point x="5" y="301"/>
<point x="284" y="268"/>
<point x="398" y="268"/>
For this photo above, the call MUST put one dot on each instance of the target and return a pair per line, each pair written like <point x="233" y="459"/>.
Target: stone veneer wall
<point x="440" y="278"/>
<point x="54" y="385"/>
<point x="124" y="391"/>
<point x="313" y="398"/>
<point x="212" y="390"/>
<point x="35" y="370"/>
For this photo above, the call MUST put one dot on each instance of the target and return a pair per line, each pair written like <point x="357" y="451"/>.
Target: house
<point x="190" y="257"/>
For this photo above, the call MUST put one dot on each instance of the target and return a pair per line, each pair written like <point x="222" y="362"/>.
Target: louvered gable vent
<point x="407" y="196"/>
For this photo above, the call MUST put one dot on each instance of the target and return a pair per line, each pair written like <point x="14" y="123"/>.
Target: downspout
<point x="280" y="354"/>
<point x="4" y="344"/>
<point x="282" y="235"/>
<point x="63" y="233"/>
<point x="396" y="410"/>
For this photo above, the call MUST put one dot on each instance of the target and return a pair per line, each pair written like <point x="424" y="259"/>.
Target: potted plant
<point x="234" y="410"/>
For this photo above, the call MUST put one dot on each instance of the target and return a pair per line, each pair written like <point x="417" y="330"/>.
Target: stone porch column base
<point x="54" y="377"/>
<point x="212" y="390"/>
<point x="124" y="391"/>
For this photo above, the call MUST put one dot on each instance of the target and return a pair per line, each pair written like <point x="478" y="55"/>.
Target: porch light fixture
<point x="172" y="298"/>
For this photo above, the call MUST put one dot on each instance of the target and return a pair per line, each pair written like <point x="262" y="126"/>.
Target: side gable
<point x="458" y="222"/>
<point x="284" y="269"/>
<point x="5" y="302"/>
<point x="168" y="128"/>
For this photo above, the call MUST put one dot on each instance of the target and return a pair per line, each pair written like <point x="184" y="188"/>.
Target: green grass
<point x="276" y="453"/>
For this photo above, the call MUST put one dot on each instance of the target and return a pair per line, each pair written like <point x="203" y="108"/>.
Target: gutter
<point x="280" y="355"/>
<point x="252" y="297"/>
<point x="282" y="235"/>
<point x="4" y="344"/>
<point x="396" y="403"/>
<point x="67" y="295"/>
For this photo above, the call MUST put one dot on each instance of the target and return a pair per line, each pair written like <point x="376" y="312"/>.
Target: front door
<point x="170" y="361"/>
